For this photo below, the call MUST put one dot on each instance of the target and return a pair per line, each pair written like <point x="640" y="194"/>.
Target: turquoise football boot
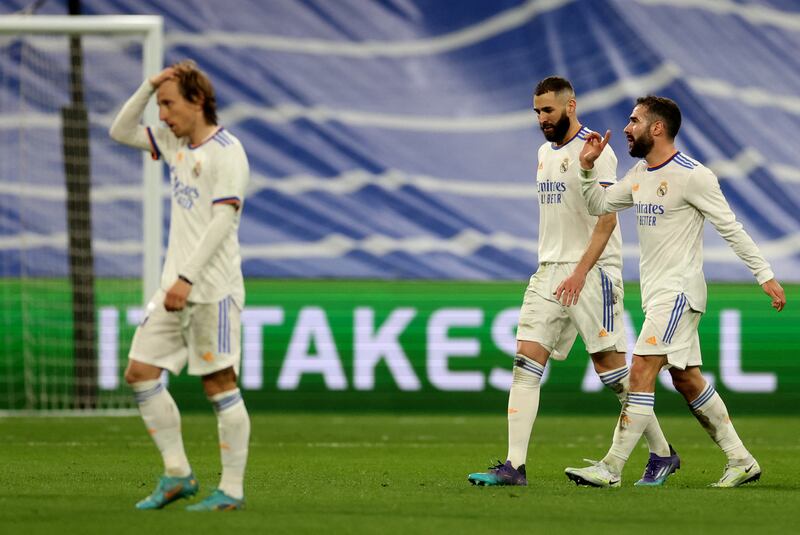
<point x="218" y="501"/>
<point x="168" y="490"/>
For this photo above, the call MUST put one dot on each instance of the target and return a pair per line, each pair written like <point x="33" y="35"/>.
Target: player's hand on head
<point x="162" y="77"/>
<point x="773" y="289"/>
<point x="569" y="290"/>
<point x="177" y="295"/>
<point x="592" y="148"/>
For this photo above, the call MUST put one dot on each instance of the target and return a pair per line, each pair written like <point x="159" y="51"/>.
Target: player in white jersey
<point x="673" y="195"/>
<point x="577" y="288"/>
<point x="195" y="316"/>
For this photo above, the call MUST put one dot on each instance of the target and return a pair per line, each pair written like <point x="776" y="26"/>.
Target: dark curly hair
<point x="663" y="109"/>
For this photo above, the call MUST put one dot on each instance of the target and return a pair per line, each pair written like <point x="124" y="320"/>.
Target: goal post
<point x="28" y="44"/>
<point x="151" y="28"/>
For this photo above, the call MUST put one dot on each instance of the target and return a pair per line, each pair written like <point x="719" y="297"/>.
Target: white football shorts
<point x="597" y="316"/>
<point x="206" y="335"/>
<point x="670" y="328"/>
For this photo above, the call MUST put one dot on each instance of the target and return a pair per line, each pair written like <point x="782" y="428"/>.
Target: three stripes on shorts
<point x="224" y="326"/>
<point x="675" y="317"/>
<point x="608" y="301"/>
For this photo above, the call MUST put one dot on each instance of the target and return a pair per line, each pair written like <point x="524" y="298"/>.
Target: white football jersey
<point x="565" y="225"/>
<point x="216" y="171"/>
<point x="672" y="201"/>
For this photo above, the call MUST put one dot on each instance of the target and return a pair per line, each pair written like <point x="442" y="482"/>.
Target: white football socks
<point x="163" y="422"/>
<point x="523" y="404"/>
<point x="637" y="412"/>
<point x="710" y="411"/>
<point x="233" y="424"/>
<point x="619" y="381"/>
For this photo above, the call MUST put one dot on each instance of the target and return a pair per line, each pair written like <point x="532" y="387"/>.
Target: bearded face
<point x="640" y="146"/>
<point x="556" y="132"/>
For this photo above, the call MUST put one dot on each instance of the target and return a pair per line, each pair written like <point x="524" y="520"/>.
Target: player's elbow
<point x="595" y="210"/>
<point x="606" y="222"/>
<point x="115" y="132"/>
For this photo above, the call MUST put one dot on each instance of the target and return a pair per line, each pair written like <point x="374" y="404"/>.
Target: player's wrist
<point x="587" y="171"/>
<point x="580" y="271"/>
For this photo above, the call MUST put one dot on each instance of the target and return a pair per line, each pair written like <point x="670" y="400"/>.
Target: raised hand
<point x="592" y="148"/>
<point x="162" y="77"/>
<point x="775" y="291"/>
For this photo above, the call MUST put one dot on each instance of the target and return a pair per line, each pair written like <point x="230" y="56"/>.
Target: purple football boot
<point x="658" y="469"/>
<point x="500" y="474"/>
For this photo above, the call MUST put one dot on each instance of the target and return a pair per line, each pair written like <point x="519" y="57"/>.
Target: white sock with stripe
<point x="619" y="381"/>
<point x="710" y="411"/>
<point x="233" y="424"/>
<point x="637" y="411"/>
<point x="163" y="422"/>
<point x="523" y="405"/>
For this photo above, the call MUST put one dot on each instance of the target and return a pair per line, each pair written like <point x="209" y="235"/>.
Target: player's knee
<point x="681" y="384"/>
<point x="137" y="372"/>
<point x="644" y="371"/>
<point x="220" y="381"/>
<point x="608" y="360"/>
<point x="532" y="350"/>
<point x="689" y="385"/>
<point x="527" y="373"/>
<point x="131" y="377"/>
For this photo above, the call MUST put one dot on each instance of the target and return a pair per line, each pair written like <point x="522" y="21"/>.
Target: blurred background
<point x="391" y="221"/>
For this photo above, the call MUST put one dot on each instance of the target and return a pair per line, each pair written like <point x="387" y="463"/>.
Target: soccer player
<point x="577" y="289"/>
<point x="673" y="195"/>
<point x="195" y="316"/>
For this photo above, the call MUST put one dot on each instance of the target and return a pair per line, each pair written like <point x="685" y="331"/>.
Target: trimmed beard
<point x="642" y="145"/>
<point x="560" y="130"/>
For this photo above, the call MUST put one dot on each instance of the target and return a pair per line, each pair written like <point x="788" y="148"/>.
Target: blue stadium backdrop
<point x="393" y="140"/>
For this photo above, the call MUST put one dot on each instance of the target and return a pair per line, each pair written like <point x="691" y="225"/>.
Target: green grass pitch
<point x="387" y="473"/>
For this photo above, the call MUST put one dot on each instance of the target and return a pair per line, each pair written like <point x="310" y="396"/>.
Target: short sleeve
<point x="232" y="172"/>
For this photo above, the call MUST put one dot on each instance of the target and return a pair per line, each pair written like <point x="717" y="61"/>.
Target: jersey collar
<point x="206" y="140"/>
<point x="657" y="167"/>
<point x="581" y="134"/>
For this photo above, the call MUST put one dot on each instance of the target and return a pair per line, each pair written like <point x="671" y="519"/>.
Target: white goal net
<point x="80" y="218"/>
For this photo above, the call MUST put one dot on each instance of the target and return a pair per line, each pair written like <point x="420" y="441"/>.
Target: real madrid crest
<point x="662" y="189"/>
<point x="196" y="170"/>
<point x="564" y="165"/>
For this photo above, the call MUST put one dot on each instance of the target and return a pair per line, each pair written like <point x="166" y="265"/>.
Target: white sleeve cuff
<point x="764" y="276"/>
